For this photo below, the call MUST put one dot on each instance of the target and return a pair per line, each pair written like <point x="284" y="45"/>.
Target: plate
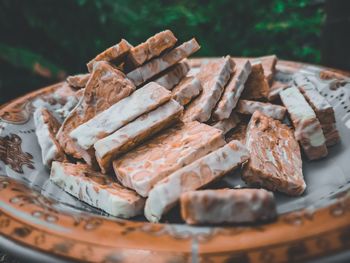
<point x="46" y="222"/>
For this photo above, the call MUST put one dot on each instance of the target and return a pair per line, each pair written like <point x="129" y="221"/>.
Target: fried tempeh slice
<point x="139" y="102"/>
<point x="275" y="160"/>
<point x="151" y="48"/>
<point x="271" y="110"/>
<point x="256" y="86"/>
<point x="269" y="65"/>
<point x="186" y="90"/>
<point x="114" y="54"/>
<point x="276" y="88"/>
<point x="46" y="127"/>
<point x="213" y="76"/>
<point x="78" y="81"/>
<point x="145" y="72"/>
<point x="331" y="134"/>
<point x="308" y="129"/>
<point x="324" y="111"/>
<point x="166" y="193"/>
<point x="173" y="76"/>
<point x="105" y="87"/>
<point x="227" y="124"/>
<point x="227" y="206"/>
<point x="135" y="132"/>
<point x="174" y="148"/>
<point x="232" y="92"/>
<point x="96" y="189"/>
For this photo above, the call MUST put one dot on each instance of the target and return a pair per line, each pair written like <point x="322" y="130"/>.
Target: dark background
<point x="41" y="41"/>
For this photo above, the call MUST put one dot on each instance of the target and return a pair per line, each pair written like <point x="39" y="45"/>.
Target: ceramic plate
<point x="46" y="222"/>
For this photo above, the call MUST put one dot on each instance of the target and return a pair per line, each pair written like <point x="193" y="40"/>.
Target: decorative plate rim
<point x="29" y="219"/>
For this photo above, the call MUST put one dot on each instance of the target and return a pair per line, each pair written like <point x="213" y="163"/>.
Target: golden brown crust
<point x="113" y="54"/>
<point x="105" y="87"/>
<point x="275" y="162"/>
<point x="152" y="47"/>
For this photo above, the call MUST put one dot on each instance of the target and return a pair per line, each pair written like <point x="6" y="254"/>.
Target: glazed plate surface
<point x="39" y="216"/>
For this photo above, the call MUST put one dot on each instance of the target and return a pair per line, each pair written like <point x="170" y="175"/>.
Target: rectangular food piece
<point x="78" y="81"/>
<point x="145" y="72"/>
<point x="135" y="132"/>
<point x="213" y="77"/>
<point x="105" y="87"/>
<point x="275" y="160"/>
<point x="232" y="92"/>
<point x="96" y="189"/>
<point x="166" y="193"/>
<point x="188" y="88"/>
<point x="256" y="86"/>
<point x="308" y="130"/>
<point x="271" y="110"/>
<point x="276" y="88"/>
<point x="113" y="54"/>
<point x="174" y="75"/>
<point x="46" y="127"/>
<point x="126" y="110"/>
<point x="174" y="148"/>
<point x="269" y="65"/>
<point x="324" y="111"/>
<point x="227" y="206"/>
<point x="227" y="124"/>
<point x="331" y="134"/>
<point x="151" y="48"/>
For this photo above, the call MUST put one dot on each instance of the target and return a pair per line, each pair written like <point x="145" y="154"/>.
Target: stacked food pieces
<point x="150" y="130"/>
<point x="323" y="110"/>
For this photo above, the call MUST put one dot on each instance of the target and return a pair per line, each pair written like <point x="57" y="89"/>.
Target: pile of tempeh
<point x="149" y="129"/>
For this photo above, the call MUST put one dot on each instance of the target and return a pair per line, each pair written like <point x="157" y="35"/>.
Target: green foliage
<point x="68" y="33"/>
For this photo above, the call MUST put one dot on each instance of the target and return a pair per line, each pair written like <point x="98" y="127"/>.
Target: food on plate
<point x="308" y="130"/>
<point x="227" y="206"/>
<point x="228" y="124"/>
<point x="105" y="87"/>
<point x="46" y="127"/>
<point x="127" y="137"/>
<point x="188" y="88"/>
<point x="139" y="102"/>
<point x="275" y="89"/>
<point x="166" y="193"/>
<point x="96" y="189"/>
<point x="256" y="86"/>
<point x="176" y="147"/>
<point x="323" y="110"/>
<point x="213" y="77"/>
<point x="275" y="160"/>
<point x="232" y="91"/>
<point x="272" y="110"/>
<point x="151" y="48"/>
<point x="148" y="128"/>
<point x="269" y="66"/>
<point x="155" y="66"/>
<point x="114" y="54"/>
<point x="78" y="81"/>
<point x="173" y="75"/>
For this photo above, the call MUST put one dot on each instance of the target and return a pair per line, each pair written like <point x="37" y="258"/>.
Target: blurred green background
<point x="42" y="41"/>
